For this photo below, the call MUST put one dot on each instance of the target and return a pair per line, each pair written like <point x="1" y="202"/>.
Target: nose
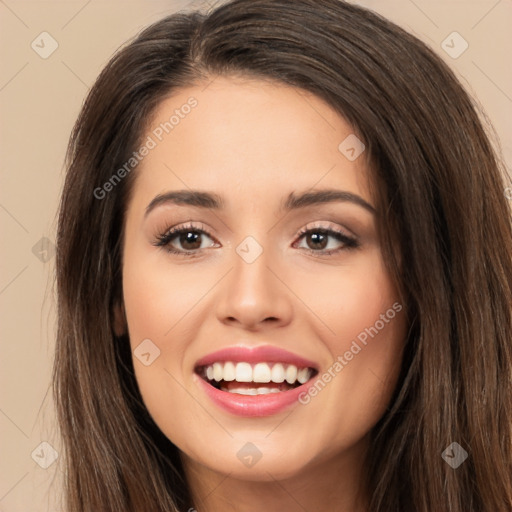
<point x="254" y="295"/>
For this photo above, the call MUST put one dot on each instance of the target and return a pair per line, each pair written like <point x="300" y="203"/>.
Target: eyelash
<point x="166" y="238"/>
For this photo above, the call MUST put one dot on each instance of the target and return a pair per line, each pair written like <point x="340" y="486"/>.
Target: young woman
<point x="284" y="274"/>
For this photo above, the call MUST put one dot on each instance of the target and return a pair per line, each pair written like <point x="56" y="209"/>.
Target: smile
<point x="254" y="382"/>
<point x="249" y="379"/>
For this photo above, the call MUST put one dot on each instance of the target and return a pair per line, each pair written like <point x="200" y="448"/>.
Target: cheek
<point x="363" y="328"/>
<point x="161" y="305"/>
<point x="347" y="301"/>
<point x="157" y="297"/>
<point x="156" y="303"/>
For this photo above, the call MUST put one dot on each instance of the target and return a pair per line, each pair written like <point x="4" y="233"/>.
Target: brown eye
<point x="186" y="240"/>
<point x="317" y="241"/>
<point x="190" y="240"/>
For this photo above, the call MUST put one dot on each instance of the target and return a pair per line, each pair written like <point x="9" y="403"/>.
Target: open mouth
<point x="262" y="378"/>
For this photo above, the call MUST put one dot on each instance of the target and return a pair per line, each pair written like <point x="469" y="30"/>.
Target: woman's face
<point x="267" y="337"/>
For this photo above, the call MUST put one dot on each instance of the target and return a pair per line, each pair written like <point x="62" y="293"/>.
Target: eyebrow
<point x="294" y="202"/>
<point x="214" y="201"/>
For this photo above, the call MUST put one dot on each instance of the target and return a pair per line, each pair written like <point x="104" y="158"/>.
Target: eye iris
<point x="190" y="237"/>
<point x="317" y="237"/>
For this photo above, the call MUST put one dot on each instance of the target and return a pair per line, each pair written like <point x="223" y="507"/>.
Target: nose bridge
<point x="251" y="282"/>
<point x="252" y="293"/>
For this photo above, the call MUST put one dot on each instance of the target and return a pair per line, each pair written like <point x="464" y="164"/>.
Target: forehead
<point x="250" y="137"/>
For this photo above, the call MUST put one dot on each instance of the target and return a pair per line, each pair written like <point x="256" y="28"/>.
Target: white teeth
<point x="260" y="373"/>
<point x="278" y="373"/>
<point x="218" y="372"/>
<point x="246" y="391"/>
<point x="291" y="374"/>
<point x="252" y="391"/>
<point x="302" y="375"/>
<point x="266" y="391"/>
<point x="243" y="372"/>
<point x="229" y="372"/>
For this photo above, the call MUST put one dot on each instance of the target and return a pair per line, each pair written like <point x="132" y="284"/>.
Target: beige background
<point x="39" y="101"/>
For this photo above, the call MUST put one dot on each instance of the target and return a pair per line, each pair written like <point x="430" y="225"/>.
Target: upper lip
<point x="259" y="354"/>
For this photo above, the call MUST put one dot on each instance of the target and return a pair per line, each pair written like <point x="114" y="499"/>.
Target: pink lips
<point x="263" y="354"/>
<point x="254" y="405"/>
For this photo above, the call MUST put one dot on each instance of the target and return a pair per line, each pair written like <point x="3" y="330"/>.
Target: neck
<point x="333" y="485"/>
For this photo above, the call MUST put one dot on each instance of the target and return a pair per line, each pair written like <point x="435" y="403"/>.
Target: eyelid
<point x="327" y="226"/>
<point x="349" y="241"/>
<point x="176" y="230"/>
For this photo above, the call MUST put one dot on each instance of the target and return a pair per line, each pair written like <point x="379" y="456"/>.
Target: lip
<point x="261" y="354"/>
<point x="254" y="405"/>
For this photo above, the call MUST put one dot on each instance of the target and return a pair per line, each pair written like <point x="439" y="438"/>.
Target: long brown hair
<point x="446" y="235"/>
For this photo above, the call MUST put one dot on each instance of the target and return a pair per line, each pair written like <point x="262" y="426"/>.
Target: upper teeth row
<point x="260" y="372"/>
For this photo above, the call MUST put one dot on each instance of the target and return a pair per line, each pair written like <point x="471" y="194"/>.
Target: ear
<point x="120" y="323"/>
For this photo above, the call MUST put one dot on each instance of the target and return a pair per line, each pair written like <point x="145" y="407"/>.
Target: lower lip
<point x="253" y="405"/>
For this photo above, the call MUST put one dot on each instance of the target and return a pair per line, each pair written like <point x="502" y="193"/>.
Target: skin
<point x="254" y="142"/>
